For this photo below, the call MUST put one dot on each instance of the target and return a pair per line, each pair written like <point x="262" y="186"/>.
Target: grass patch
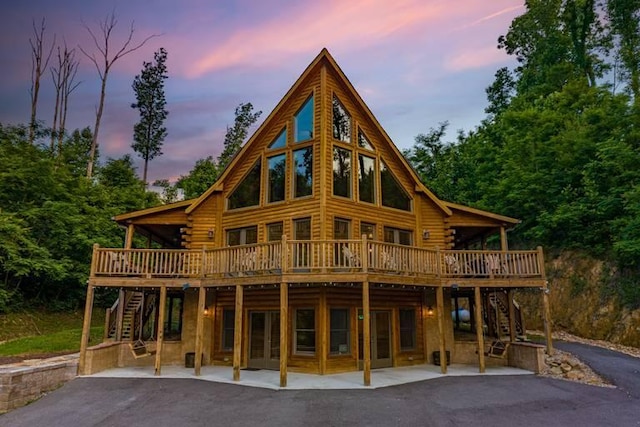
<point x="58" y="342"/>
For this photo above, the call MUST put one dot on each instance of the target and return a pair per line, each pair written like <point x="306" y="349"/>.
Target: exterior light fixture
<point x="430" y="311"/>
<point x="211" y="233"/>
<point x="425" y="234"/>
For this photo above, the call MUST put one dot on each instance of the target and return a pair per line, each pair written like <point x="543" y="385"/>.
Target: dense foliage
<point x="560" y="147"/>
<point x="51" y="215"/>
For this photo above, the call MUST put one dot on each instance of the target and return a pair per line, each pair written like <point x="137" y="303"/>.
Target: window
<point x="303" y="121"/>
<point x="247" y="193"/>
<point x="366" y="179"/>
<point x="398" y="236"/>
<point x="343" y="255"/>
<point x="305" y="331"/>
<point x="393" y="195"/>
<point x="302" y="251"/>
<point x="274" y="232"/>
<point x="363" y="141"/>
<point x="277" y="168"/>
<point x="228" y="328"/>
<point x="341" y="172"/>
<point x="173" y="317"/>
<point x="242" y="236"/>
<point x="341" y="122"/>
<point x="303" y="172"/>
<point x="341" y="228"/>
<point x="302" y="229"/>
<point x="280" y="141"/>
<point x="407" y="329"/>
<point x="369" y="230"/>
<point x="339" y="342"/>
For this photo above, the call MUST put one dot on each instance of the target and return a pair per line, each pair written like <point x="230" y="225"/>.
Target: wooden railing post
<point x="284" y="255"/>
<point x="203" y="262"/>
<point x="364" y="254"/>
<point x="438" y="263"/>
<point x="86" y="328"/>
<point x="441" y="338"/>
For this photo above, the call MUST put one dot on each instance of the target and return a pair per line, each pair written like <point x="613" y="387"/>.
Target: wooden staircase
<point x="498" y="315"/>
<point x="133" y="303"/>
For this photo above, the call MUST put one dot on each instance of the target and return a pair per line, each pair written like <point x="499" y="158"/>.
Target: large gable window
<point x="363" y="141"/>
<point x="341" y="172"/>
<point x="393" y="195"/>
<point x="280" y="141"/>
<point x="304" y="121"/>
<point x="277" y="170"/>
<point x="247" y="193"/>
<point x="341" y="122"/>
<point x="303" y="172"/>
<point x="366" y="179"/>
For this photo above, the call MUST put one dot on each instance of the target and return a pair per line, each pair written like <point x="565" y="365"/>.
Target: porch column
<point x="504" y="246"/>
<point x="366" y="334"/>
<point x="425" y="315"/>
<point x="442" y="346"/>
<point x="547" y="320"/>
<point x="86" y="327"/>
<point x="122" y="296"/>
<point x="284" y="333"/>
<point x="237" y="334"/>
<point x="202" y="293"/>
<point x="479" y="328"/>
<point x="323" y="331"/>
<point x="512" y="316"/>
<point x="128" y="239"/>
<point x="161" y="311"/>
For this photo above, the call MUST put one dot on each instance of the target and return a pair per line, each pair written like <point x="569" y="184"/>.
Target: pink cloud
<point x="334" y="23"/>
<point x="474" y="58"/>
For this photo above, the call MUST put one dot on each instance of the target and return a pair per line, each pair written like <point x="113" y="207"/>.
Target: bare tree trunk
<point x="56" y="76"/>
<point x="68" y="86"/>
<point x="106" y="27"/>
<point x="37" y="69"/>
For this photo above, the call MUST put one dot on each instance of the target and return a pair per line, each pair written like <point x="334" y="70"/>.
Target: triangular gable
<point x="461" y="215"/>
<point x="324" y="55"/>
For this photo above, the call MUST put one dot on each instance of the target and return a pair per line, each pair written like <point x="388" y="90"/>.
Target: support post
<point x="442" y="343"/>
<point x="547" y="320"/>
<point x="479" y="328"/>
<point x="504" y="245"/>
<point x="425" y="308"/>
<point x="162" y="307"/>
<point x="128" y="239"/>
<point x="86" y="327"/>
<point x="284" y="333"/>
<point x="323" y="331"/>
<point x="366" y="333"/>
<point x="202" y="294"/>
<point x="237" y="334"/>
<point x="122" y="296"/>
<point x="512" y="316"/>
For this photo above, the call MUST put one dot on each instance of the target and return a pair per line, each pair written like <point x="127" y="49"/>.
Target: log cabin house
<point x="318" y="250"/>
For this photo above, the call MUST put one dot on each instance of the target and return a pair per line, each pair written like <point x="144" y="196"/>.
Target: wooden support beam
<point x="479" y="328"/>
<point x="237" y="334"/>
<point x="284" y="332"/>
<point x="86" y="328"/>
<point x="425" y="315"/>
<point x="202" y="294"/>
<point x="547" y="320"/>
<point x="324" y="350"/>
<point x="512" y="316"/>
<point x="128" y="238"/>
<point x="504" y="245"/>
<point x="441" y="338"/>
<point x="162" y="308"/>
<point x="366" y="333"/>
<point x="122" y="296"/>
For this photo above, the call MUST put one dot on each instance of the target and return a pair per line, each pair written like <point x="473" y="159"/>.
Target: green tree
<point x="200" y="178"/>
<point x="237" y="134"/>
<point x="624" y="17"/>
<point x="149" y="132"/>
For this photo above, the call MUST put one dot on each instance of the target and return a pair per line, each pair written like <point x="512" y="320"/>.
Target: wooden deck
<point x="317" y="261"/>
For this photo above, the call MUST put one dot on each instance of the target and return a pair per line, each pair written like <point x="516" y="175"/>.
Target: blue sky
<point x="414" y="62"/>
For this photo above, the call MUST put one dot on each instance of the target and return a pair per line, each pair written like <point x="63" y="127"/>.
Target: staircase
<point x="133" y="302"/>
<point x="499" y="315"/>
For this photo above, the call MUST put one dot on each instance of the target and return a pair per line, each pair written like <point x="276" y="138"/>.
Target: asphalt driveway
<point x="477" y="401"/>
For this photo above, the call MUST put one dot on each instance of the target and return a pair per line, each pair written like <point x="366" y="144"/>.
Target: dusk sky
<point x="414" y="62"/>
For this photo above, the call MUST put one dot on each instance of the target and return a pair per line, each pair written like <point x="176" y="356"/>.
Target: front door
<point x="380" y="339"/>
<point x="264" y="339"/>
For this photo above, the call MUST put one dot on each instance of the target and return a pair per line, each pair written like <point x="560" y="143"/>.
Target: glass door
<point x="264" y="339"/>
<point x="381" y="339"/>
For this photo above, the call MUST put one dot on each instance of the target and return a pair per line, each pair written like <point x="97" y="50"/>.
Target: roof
<point x="486" y="214"/>
<point x="153" y="210"/>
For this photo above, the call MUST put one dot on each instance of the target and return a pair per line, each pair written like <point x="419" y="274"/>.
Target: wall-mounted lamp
<point x="430" y="311"/>
<point x="425" y="234"/>
<point x="211" y="233"/>
<point x="207" y="311"/>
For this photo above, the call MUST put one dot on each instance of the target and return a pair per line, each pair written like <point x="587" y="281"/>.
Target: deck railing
<point x="325" y="256"/>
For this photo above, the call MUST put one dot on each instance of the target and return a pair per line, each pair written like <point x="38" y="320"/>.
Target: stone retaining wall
<point x="23" y="382"/>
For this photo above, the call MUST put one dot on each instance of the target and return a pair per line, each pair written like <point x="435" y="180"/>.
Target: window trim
<point x="243" y="235"/>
